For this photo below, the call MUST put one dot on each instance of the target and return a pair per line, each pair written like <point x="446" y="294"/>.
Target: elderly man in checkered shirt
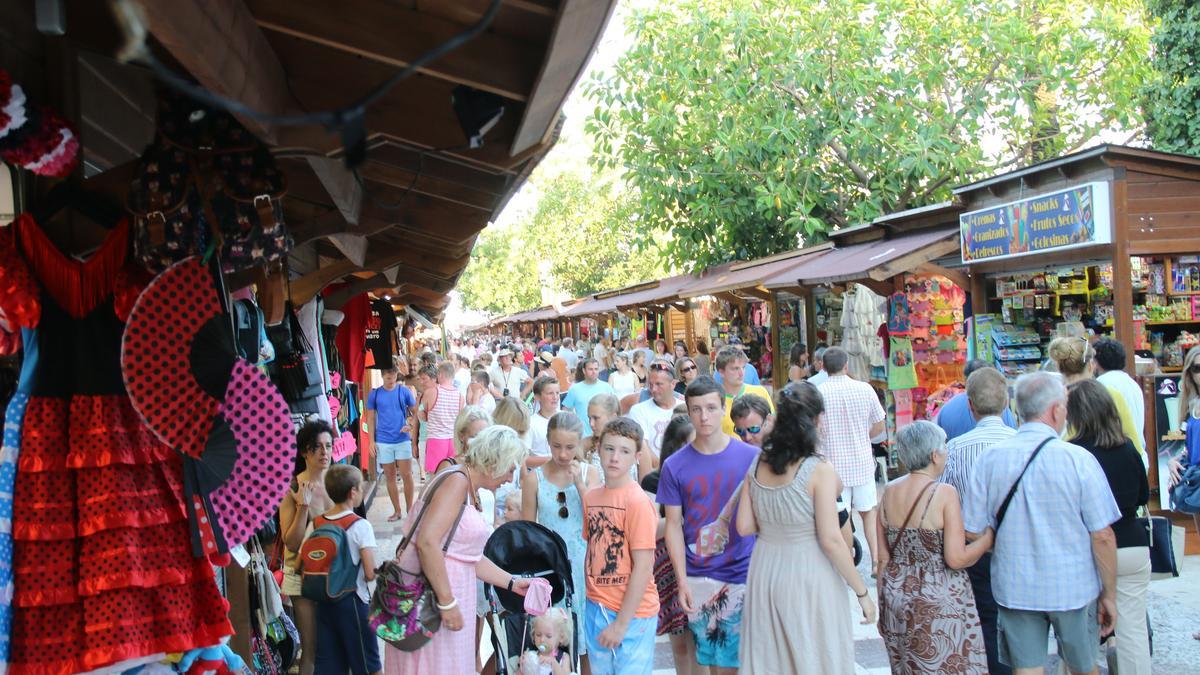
<point x="1054" y="562"/>
<point x="853" y="415"/>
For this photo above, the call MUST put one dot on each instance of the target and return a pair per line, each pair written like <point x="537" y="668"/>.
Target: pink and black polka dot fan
<point x="222" y="414"/>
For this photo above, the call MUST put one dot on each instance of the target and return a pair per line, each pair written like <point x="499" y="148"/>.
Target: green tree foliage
<point x="500" y="279"/>
<point x="581" y="238"/>
<point x="746" y="125"/>
<point x="1173" y="95"/>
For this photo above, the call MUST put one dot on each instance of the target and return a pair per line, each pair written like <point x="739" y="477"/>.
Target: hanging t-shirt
<point x="381" y="333"/>
<point x="901" y="372"/>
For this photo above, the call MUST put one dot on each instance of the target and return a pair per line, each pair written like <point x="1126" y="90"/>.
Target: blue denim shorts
<point x="394" y="452"/>
<point x="635" y="654"/>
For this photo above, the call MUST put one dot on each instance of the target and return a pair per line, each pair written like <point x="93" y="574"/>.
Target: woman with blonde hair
<point x="1189" y="415"/>
<point x="1072" y="356"/>
<point x="492" y="458"/>
<point x="510" y="412"/>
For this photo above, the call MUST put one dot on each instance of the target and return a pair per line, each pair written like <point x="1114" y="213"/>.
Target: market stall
<point x="879" y="293"/>
<point x="1100" y="242"/>
<point x="165" y="283"/>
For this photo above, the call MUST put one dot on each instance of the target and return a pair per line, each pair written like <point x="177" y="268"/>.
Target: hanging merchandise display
<point x="902" y="372"/>
<point x="34" y="137"/>
<point x="237" y="438"/>
<point x="381" y="335"/>
<point x="1034" y="307"/>
<point x="932" y="307"/>
<point x="863" y="312"/>
<point x="207" y="181"/>
<point x="99" y="525"/>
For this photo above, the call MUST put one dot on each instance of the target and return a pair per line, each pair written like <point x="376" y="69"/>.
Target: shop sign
<point x="1079" y="216"/>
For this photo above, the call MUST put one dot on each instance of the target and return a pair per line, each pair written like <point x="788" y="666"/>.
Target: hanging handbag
<point x="299" y="371"/>
<point x="403" y="610"/>
<point x="1185" y="495"/>
<point x="205" y="178"/>
<point x="1162" y="547"/>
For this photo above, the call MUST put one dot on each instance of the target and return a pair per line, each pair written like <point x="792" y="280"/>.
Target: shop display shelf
<point x="1180" y="322"/>
<point x="1174" y="437"/>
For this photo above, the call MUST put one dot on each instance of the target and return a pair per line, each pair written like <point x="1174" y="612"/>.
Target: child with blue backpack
<point x="337" y="560"/>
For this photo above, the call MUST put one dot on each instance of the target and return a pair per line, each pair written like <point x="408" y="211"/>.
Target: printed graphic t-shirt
<point x="391" y="411"/>
<point x="617" y="522"/>
<point x="701" y="485"/>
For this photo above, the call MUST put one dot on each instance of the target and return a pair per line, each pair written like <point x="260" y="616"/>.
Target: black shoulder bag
<point x="1013" y="490"/>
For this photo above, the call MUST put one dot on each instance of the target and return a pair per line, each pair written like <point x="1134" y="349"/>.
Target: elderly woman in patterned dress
<point x="927" y="613"/>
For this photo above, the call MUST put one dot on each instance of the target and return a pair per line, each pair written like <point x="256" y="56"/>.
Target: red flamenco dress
<point x="103" y="569"/>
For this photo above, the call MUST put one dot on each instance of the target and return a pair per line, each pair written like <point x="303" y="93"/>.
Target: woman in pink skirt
<point x="492" y="457"/>
<point x="441" y="404"/>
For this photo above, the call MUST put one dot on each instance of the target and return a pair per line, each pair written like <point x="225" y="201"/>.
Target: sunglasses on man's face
<point x="748" y="430"/>
<point x="562" y="504"/>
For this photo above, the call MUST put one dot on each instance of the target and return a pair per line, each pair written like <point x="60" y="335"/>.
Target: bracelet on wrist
<point x="511" y="579"/>
<point x="865" y="593"/>
<point x="447" y="607"/>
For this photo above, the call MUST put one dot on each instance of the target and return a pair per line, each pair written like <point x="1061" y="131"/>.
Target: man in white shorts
<point x="853" y="415"/>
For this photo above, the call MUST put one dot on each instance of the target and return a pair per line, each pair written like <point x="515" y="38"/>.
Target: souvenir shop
<point x="1098" y="243"/>
<point x="876" y="291"/>
<point x="177" y="294"/>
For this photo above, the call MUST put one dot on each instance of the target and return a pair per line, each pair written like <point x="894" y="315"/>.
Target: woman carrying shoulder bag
<point x="452" y="567"/>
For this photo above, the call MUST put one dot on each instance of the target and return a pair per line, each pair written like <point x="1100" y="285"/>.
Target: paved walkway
<point x="1174" y="612"/>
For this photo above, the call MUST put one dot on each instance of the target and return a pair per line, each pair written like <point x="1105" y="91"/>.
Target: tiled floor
<point x="1174" y="608"/>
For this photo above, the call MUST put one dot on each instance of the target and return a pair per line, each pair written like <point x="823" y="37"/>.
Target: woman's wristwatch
<point x="511" y="579"/>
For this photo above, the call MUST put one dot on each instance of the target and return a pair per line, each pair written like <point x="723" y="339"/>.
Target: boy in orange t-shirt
<point x="620" y="617"/>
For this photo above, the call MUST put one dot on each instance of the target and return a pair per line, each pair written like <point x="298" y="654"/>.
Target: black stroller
<point x="526" y="549"/>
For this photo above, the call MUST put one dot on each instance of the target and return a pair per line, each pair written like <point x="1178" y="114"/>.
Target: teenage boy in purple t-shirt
<point x="694" y="486"/>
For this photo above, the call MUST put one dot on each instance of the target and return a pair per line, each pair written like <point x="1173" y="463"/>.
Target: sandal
<point x="394" y="517"/>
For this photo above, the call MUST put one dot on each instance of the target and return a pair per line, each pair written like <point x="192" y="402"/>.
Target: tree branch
<point x="833" y="143"/>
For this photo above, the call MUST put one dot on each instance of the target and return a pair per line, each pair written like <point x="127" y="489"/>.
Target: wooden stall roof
<point x="750" y="276"/>
<point x="407" y="223"/>
<point x="870" y="262"/>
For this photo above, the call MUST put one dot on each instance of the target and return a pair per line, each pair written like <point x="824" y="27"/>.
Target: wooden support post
<point x="779" y="363"/>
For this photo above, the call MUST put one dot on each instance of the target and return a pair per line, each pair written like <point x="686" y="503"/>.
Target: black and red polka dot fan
<point x="222" y="414"/>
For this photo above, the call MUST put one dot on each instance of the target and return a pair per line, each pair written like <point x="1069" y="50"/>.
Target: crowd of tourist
<point x="694" y="503"/>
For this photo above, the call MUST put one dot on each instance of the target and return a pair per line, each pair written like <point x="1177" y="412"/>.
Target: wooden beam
<point x="308" y="286"/>
<point x="576" y="32"/>
<point x="962" y="280"/>
<point x="338" y="298"/>
<point x="883" y="288"/>
<point x="423" y="184"/>
<point x="221" y="46"/>
<point x="756" y="291"/>
<point x="353" y="246"/>
<point x="342" y="186"/>
<point x="395" y="35"/>
<point x="418" y="110"/>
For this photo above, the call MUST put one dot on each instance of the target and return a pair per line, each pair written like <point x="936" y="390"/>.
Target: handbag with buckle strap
<point x="206" y="180"/>
<point x="403" y="610"/>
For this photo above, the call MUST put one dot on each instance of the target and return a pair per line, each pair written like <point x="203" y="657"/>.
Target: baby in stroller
<point x="532" y="550"/>
<point x="552" y="639"/>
